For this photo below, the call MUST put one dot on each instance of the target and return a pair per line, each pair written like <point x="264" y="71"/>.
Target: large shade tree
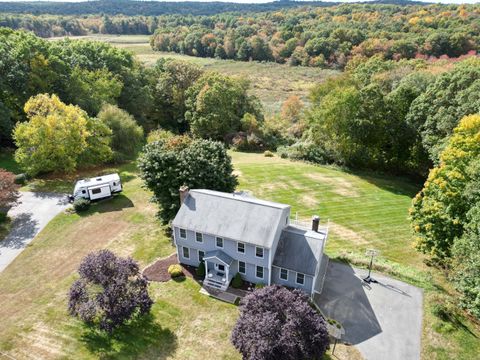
<point x="276" y="323"/>
<point x="439" y="211"/>
<point x="58" y="137"/>
<point x="216" y="104"/>
<point x="111" y="290"/>
<point x="169" y="163"/>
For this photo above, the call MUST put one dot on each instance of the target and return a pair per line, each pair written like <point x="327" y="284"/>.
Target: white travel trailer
<point x="97" y="188"/>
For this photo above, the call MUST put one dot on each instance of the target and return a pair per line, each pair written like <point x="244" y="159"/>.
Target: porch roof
<point x="219" y="255"/>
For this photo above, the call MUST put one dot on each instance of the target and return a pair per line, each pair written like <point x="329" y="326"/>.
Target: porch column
<point x="228" y="268"/>
<point x="206" y="269"/>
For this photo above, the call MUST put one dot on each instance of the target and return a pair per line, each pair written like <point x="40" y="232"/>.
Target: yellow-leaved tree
<point x="58" y="136"/>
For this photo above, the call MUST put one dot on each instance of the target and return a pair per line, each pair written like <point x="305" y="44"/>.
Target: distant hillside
<point x="127" y="7"/>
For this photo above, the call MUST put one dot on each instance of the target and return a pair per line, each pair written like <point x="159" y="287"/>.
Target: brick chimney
<point x="315" y="222"/>
<point x="183" y="193"/>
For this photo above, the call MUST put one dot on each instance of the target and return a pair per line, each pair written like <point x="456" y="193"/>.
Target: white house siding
<point x="291" y="282"/>
<point x="230" y="248"/>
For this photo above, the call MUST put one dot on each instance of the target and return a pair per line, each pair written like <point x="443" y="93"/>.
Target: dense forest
<point x="325" y="36"/>
<point x="149" y="8"/>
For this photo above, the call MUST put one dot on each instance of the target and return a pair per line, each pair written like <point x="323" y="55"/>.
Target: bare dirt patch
<point x="348" y="234"/>
<point x="341" y="186"/>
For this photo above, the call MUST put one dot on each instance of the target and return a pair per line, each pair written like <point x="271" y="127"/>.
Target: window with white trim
<point x="183" y="233"/>
<point x="300" y="279"/>
<point x="283" y="274"/>
<point x="186" y="252"/>
<point x="201" y="255"/>
<point x="242" y="267"/>
<point x="241" y="247"/>
<point x="259" y="272"/>
<point x="219" y="242"/>
<point x="258" y="252"/>
<point x="199" y="237"/>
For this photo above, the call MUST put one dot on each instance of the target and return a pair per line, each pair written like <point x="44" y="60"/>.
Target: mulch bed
<point x="158" y="271"/>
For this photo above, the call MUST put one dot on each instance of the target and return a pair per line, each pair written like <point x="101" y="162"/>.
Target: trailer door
<point x="99" y="192"/>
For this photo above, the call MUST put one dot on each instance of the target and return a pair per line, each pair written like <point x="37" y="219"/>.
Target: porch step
<point x="219" y="294"/>
<point x="215" y="284"/>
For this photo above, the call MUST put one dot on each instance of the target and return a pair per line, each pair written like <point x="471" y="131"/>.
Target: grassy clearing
<point x="272" y="83"/>
<point x="34" y="288"/>
<point x="366" y="211"/>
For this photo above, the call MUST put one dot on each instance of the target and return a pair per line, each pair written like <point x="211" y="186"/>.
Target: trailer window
<point x="96" y="191"/>
<point x="84" y="192"/>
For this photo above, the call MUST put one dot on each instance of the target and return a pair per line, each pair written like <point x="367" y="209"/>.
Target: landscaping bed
<point x="158" y="271"/>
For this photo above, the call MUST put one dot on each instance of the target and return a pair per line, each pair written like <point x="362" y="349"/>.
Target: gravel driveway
<point x="33" y="212"/>
<point x="383" y="320"/>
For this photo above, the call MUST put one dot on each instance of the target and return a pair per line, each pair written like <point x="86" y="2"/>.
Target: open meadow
<point x="272" y="83"/>
<point x="365" y="210"/>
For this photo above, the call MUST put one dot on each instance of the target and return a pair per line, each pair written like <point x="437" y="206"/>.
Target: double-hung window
<point x="219" y="242"/>
<point x="284" y="274"/>
<point x="199" y="237"/>
<point x="183" y="233"/>
<point x="259" y="252"/>
<point x="259" y="272"/>
<point x="300" y="279"/>
<point x="241" y="248"/>
<point x="186" y="252"/>
<point x="201" y="255"/>
<point x="242" y="267"/>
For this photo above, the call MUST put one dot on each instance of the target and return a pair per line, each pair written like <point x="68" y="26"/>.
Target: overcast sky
<point x="264" y="1"/>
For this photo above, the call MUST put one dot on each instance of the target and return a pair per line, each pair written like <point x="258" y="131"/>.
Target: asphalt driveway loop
<point x="383" y="320"/>
<point x="32" y="213"/>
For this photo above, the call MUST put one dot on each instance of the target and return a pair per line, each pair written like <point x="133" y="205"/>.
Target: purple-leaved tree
<point x="276" y="323"/>
<point x="110" y="291"/>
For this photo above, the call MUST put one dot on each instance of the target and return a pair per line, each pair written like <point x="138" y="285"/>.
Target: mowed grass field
<point x="272" y="83"/>
<point x="365" y="211"/>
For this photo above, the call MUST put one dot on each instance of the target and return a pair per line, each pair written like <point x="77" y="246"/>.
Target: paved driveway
<point x="383" y="320"/>
<point x="30" y="215"/>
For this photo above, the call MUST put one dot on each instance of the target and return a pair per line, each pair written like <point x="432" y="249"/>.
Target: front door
<point x="220" y="268"/>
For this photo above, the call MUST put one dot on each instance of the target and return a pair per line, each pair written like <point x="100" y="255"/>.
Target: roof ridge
<point x="238" y="197"/>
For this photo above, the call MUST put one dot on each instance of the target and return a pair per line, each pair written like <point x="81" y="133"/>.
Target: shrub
<point x="259" y="286"/>
<point x="175" y="270"/>
<point x="20" y="179"/>
<point x="268" y="153"/>
<point x="111" y="290"/>
<point x="81" y="204"/>
<point x="3" y="216"/>
<point x="159" y="135"/>
<point x="201" y="270"/>
<point x="237" y="281"/>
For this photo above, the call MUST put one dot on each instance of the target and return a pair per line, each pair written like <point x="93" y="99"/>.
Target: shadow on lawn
<point x="139" y="336"/>
<point x="116" y="203"/>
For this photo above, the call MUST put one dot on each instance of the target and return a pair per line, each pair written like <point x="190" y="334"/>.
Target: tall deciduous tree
<point x="276" y="323"/>
<point x="57" y="136"/>
<point x="111" y="290"/>
<point x="216" y="105"/>
<point x="127" y="136"/>
<point x="439" y="211"/>
<point x="169" y="163"/>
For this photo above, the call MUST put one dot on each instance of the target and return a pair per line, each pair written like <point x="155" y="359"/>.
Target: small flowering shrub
<point x="175" y="270"/>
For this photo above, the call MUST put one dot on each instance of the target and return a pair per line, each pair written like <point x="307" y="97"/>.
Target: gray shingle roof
<point x="220" y="255"/>
<point x="232" y="216"/>
<point x="299" y="250"/>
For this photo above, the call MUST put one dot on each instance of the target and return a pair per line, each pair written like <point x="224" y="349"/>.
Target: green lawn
<point x="272" y="83"/>
<point x="364" y="211"/>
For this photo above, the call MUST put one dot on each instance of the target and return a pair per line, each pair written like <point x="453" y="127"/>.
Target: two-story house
<point x="237" y="233"/>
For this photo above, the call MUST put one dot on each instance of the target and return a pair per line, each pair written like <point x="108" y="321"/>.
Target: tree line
<point x="325" y="37"/>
